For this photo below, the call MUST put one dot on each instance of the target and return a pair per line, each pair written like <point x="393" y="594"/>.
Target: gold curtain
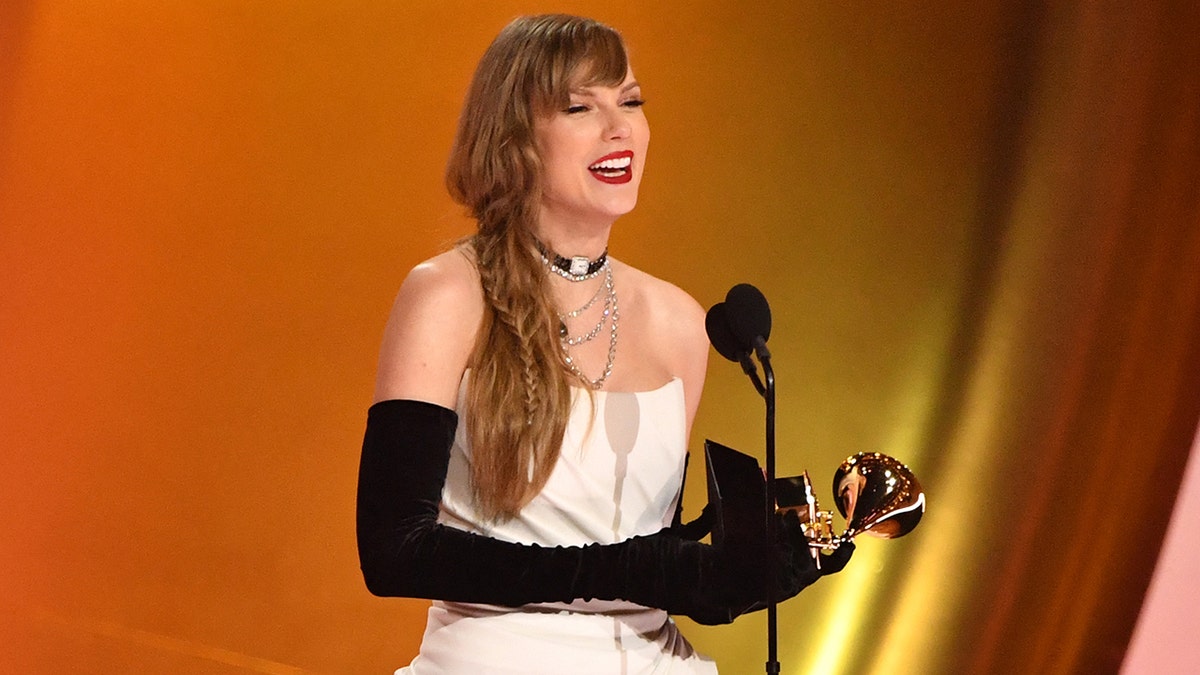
<point x="1070" y="394"/>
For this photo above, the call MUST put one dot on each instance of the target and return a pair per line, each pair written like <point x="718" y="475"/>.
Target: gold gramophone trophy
<point x="876" y="494"/>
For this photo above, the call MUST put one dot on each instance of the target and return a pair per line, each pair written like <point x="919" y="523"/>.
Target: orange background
<point x="976" y="224"/>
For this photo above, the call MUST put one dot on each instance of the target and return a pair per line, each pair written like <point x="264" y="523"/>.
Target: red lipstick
<point x="614" y="168"/>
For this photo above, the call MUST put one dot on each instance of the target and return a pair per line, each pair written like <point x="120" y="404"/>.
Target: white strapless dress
<point x="618" y="476"/>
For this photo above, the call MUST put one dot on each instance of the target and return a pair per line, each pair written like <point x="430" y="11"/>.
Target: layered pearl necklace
<point x="578" y="269"/>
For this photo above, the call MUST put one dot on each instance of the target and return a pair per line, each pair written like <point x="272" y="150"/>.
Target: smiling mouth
<point x="614" y="168"/>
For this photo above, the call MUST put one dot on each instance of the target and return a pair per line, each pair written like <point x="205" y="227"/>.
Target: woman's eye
<point x="634" y="103"/>
<point x="576" y="108"/>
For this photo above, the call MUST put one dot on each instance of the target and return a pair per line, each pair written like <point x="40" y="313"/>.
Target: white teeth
<point x="616" y="163"/>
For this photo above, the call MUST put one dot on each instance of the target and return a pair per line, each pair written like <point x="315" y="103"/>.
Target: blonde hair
<point x="518" y="390"/>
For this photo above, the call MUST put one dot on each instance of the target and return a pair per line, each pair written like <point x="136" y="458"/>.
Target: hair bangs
<point x="582" y="53"/>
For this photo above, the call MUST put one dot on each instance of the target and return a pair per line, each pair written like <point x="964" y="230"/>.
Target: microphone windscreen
<point x="716" y="323"/>
<point x="748" y="313"/>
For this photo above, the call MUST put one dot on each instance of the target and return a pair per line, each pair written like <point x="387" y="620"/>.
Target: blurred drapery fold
<point x="1067" y="417"/>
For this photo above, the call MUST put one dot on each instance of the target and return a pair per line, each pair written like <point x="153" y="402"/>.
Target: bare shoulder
<point x="671" y="311"/>
<point x="447" y="276"/>
<point x="431" y="331"/>
<point x="671" y="324"/>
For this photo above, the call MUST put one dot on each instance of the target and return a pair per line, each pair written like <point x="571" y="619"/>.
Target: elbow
<point x="389" y="571"/>
<point x="390" y="559"/>
<point x="384" y="579"/>
<point x="379" y="585"/>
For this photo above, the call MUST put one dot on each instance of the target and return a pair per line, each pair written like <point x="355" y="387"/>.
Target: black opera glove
<point x="404" y="551"/>
<point x="693" y="530"/>
<point x="796" y="569"/>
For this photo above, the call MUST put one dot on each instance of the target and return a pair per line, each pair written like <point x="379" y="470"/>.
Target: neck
<point x="570" y="239"/>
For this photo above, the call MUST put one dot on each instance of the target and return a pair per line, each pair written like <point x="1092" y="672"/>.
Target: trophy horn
<point x="878" y="496"/>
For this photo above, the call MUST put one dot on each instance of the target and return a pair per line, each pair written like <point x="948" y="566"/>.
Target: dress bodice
<point x="617" y="476"/>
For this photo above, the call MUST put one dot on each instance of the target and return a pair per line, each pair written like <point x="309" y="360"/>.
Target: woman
<point x="525" y="454"/>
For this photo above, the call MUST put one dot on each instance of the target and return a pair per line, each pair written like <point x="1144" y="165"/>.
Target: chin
<point x="617" y="211"/>
<point x="619" y="206"/>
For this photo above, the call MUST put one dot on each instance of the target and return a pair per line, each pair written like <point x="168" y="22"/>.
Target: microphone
<point x="717" y="325"/>
<point x="749" y="318"/>
<point x="720" y="334"/>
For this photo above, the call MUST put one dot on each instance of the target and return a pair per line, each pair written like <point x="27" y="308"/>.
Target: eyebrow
<point x="587" y="91"/>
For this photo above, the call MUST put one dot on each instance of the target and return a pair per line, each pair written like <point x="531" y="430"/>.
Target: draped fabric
<point x="1066" y="418"/>
<point x="978" y="225"/>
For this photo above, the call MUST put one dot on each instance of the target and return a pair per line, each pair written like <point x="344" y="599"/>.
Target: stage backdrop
<point x="976" y="224"/>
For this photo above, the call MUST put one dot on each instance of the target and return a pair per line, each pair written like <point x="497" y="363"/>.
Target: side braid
<point x="518" y="375"/>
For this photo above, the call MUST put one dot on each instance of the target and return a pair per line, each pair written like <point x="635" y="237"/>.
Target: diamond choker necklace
<point x="576" y="268"/>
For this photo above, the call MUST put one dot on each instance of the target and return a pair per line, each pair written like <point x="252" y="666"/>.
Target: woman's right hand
<point x="747" y="579"/>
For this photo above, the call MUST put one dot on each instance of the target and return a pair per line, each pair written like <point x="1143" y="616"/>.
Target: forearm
<point x="430" y="560"/>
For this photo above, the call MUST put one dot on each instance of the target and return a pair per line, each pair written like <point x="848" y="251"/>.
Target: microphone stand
<point x="768" y="394"/>
<point x="750" y="369"/>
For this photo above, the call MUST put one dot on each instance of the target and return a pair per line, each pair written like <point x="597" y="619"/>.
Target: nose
<point x="618" y="125"/>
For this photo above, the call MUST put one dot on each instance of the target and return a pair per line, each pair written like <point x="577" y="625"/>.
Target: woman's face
<point x="593" y="153"/>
